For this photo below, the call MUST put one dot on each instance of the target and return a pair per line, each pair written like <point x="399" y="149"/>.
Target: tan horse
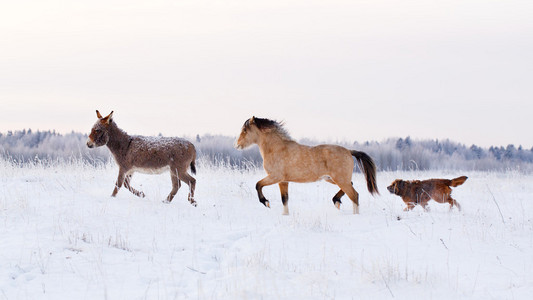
<point x="285" y="160"/>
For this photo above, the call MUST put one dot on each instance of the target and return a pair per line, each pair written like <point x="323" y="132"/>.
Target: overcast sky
<point x="332" y="70"/>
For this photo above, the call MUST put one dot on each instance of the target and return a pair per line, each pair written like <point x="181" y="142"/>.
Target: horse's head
<point x="249" y="134"/>
<point x="100" y="132"/>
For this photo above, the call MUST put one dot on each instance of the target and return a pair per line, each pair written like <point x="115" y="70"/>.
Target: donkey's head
<point x="249" y="134"/>
<point x="100" y="132"/>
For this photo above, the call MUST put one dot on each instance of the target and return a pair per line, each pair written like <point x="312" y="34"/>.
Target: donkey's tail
<point x="193" y="167"/>
<point x="193" y="162"/>
<point x="367" y="166"/>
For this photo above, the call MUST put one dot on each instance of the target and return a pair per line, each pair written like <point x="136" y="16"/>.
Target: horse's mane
<point x="277" y="127"/>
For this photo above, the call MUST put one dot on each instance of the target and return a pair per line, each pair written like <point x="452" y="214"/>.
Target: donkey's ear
<point x="98" y="114"/>
<point x="108" y="119"/>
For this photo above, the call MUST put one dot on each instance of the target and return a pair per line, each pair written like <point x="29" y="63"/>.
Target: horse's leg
<point x="352" y="194"/>
<point x="284" y="189"/>
<point x="337" y="198"/>
<point x="175" y="184"/>
<point x="269" y="180"/>
<point x="120" y="181"/>
<point x="189" y="180"/>
<point x="127" y="184"/>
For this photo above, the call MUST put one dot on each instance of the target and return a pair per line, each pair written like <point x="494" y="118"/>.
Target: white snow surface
<point x="63" y="237"/>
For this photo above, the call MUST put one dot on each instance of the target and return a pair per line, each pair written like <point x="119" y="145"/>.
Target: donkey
<point x="152" y="155"/>
<point x="285" y="160"/>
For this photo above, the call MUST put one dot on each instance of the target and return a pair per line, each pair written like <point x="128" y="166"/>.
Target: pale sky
<point x="332" y="70"/>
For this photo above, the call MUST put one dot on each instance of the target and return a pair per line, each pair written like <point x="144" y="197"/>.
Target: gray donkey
<point x="152" y="155"/>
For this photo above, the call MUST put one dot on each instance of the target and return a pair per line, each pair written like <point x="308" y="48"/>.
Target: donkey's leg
<point x="127" y="184"/>
<point x="269" y="180"/>
<point x="120" y="181"/>
<point x="189" y="180"/>
<point x="284" y="189"/>
<point x="175" y="184"/>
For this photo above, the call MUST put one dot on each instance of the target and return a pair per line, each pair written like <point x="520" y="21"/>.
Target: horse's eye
<point x="98" y="130"/>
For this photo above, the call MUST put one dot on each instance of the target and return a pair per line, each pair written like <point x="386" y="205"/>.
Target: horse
<point x="151" y="155"/>
<point x="286" y="161"/>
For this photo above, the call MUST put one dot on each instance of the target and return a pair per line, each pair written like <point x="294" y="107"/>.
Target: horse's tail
<point x="367" y="166"/>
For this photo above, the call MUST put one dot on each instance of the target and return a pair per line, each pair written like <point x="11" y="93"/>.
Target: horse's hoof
<point x="267" y="204"/>
<point x="338" y="205"/>
<point x="141" y="194"/>
<point x="166" y="201"/>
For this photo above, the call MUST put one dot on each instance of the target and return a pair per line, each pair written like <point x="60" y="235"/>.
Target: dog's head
<point x="397" y="187"/>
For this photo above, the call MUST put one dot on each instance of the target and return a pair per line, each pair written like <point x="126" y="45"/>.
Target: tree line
<point x="392" y="154"/>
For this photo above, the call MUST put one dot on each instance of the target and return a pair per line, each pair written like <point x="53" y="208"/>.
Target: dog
<point x="421" y="191"/>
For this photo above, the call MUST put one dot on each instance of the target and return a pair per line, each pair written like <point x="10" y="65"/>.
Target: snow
<point x="63" y="237"/>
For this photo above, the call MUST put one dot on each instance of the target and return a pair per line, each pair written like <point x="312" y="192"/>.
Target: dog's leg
<point x="453" y="202"/>
<point x="425" y="206"/>
<point x="410" y="206"/>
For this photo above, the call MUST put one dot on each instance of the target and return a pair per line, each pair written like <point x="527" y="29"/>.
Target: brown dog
<point x="421" y="191"/>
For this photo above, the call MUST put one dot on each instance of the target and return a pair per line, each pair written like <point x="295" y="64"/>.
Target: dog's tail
<point x="367" y="166"/>
<point x="458" y="181"/>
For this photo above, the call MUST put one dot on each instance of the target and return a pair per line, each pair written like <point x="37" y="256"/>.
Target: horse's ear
<point x="252" y="120"/>
<point x="108" y="119"/>
<point x="98" y="114"/>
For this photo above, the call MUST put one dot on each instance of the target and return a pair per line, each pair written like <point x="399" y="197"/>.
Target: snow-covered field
<point x="63" y="237"/>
